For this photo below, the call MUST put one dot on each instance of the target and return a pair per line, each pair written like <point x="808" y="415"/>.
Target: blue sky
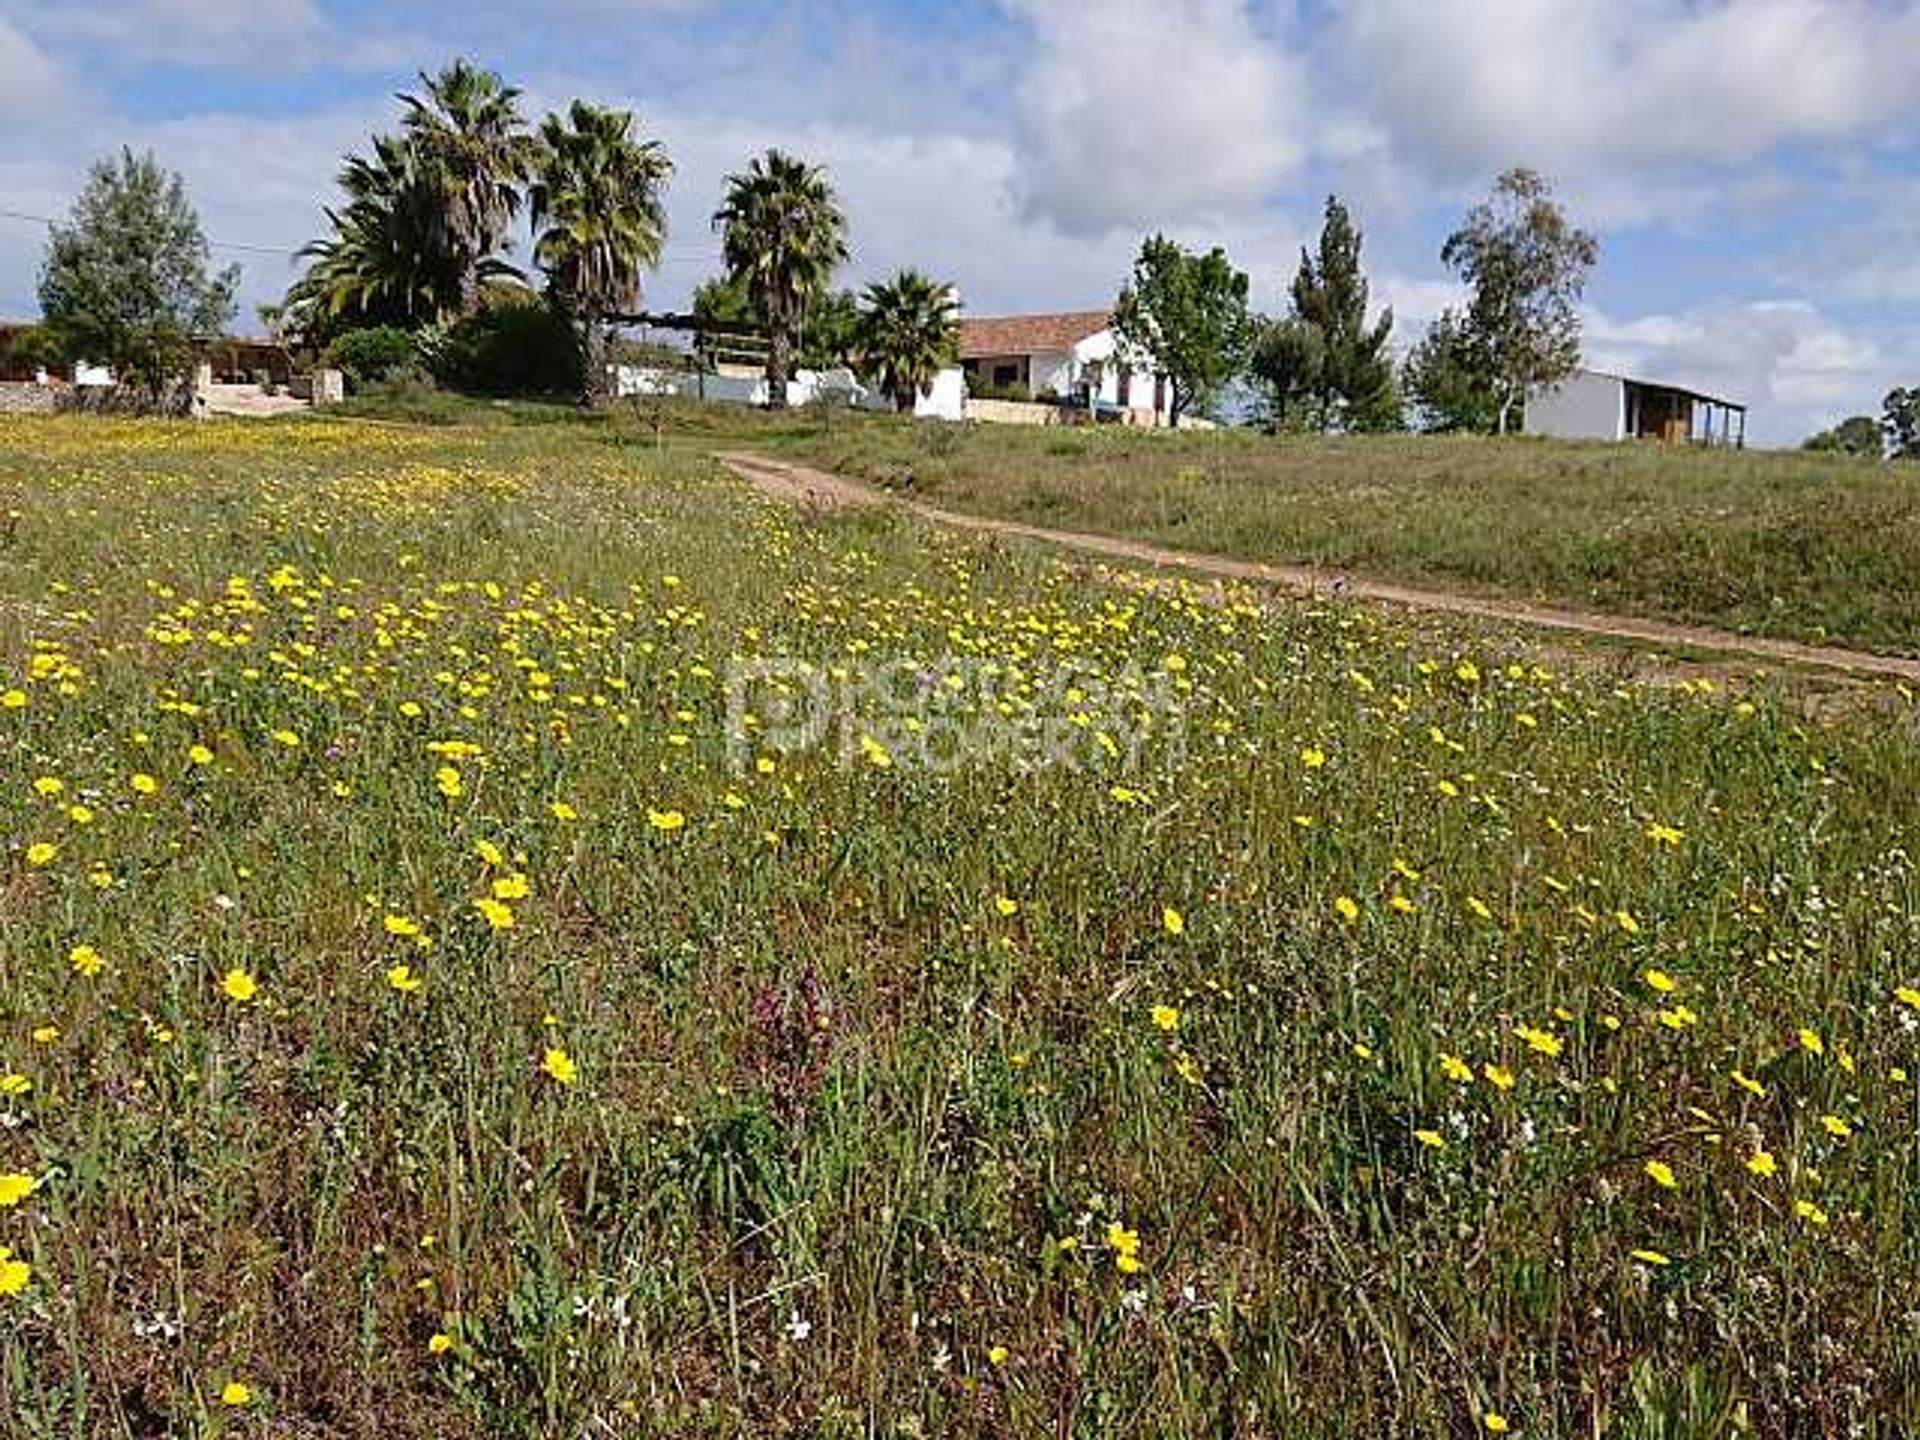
<point x="1750" y="165"/>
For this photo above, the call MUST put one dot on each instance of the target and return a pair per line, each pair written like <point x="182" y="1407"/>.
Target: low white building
<point x="945" y="399"/>
<point x="1594" y="405"/>
<point x="733" y="384"/>
<point x="1073" y="357"/>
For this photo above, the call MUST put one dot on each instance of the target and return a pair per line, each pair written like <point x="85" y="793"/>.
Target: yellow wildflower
<point x="497" y="916"/>
<point x="15" y="1186"/>
<point x="1544" y="1041"/>
<point x="14" y="1274"/>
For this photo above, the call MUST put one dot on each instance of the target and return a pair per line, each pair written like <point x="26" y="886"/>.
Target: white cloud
<point x="255" y="182"/>
<point x="1625" y="100"/>
<point x="30" y="81"/>
<point x="1870" y="252"/>
<point x="193" y="32"/>
<point x="1138" y="112"/>
<point x="941" y="203"/>
<point x="1416" y="302"/>
<point x="256" y="38"/>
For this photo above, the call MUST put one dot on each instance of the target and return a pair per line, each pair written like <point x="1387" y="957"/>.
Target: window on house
<point x="1006" y="375"/>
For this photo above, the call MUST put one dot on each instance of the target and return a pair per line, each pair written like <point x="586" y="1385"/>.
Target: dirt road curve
<point x="800" y="485"/>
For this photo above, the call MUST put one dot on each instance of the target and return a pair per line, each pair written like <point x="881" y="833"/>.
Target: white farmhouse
<point x="1073" y="357"/>
<point x="1593" y="405"/>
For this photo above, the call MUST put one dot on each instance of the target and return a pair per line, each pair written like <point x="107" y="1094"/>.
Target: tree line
<point x="418" y="265"/>
<point x="1895" y="435"/>
<point x="423" y="239"/>
<point x="418" y="262"/>
<point x="1324" y="365"/>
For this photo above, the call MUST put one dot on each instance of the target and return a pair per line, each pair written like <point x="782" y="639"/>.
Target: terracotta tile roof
<point x="1029" y="334"/>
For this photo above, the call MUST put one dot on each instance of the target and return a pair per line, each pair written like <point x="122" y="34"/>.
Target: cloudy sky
<point x="1751" y="165"/>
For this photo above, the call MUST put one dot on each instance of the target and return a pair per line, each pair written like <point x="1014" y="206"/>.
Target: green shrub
<point x="32" y="348"/>
<point x="371" y="356"/>
<point x="511" y="348"/>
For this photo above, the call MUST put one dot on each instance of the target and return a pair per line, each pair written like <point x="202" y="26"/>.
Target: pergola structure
<point x="1680" y="416"/>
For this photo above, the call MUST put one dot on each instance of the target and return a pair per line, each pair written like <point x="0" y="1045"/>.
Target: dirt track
<point x="801" y="485"/>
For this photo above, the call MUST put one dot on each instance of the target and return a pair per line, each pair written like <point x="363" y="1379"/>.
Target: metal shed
<point x="1594" y="405"/>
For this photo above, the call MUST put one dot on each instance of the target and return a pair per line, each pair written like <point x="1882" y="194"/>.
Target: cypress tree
<point x="1324" y="365"/>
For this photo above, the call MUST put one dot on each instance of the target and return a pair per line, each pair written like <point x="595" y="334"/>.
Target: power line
<point x="211" y="244"/>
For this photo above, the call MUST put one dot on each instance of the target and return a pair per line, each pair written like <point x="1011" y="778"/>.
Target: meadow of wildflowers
<point x="448" y="993"/>
<point x="1811" y="547"/>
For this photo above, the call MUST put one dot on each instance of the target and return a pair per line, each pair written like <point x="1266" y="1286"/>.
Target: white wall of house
<point x="946" y="400"/>
<point x="1103" y="348"/>
<point x="1585" y="406"/>
<point x="1062" y="372"/>
<point x="1051" y="370"/>
<point x="738" y="388"/>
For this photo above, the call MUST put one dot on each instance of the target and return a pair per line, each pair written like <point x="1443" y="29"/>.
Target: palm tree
<point x="473" y="151"/>
<point x="782" y="237"/>
<point x="598" y="219"/>
<point x="383" y="264"/>
<point x="909" y="332"/>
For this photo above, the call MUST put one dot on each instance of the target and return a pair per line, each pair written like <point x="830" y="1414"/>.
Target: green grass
<point x="834" y="1107"/>
<point x="1806" y="547"/>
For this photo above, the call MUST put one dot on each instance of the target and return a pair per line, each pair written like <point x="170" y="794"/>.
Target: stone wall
<point x="1012" y="412"/>
<point x="23" y="397"/>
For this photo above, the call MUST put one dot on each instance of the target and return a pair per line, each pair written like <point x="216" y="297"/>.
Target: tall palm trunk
<point x="596" y="384"/>
<point x="779" y="362"/>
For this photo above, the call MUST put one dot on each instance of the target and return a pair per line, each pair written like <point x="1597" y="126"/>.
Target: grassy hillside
<point x="1806" y="547"/>
<point x="450" y="986"/>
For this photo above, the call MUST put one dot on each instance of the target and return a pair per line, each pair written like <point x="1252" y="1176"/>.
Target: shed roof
<point x="1029" y="334"/>
<point x="1645" y="384"/>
